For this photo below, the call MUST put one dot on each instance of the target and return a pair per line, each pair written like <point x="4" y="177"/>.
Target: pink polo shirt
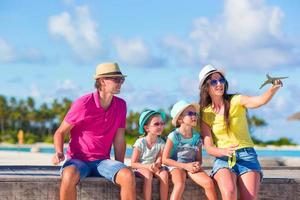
<point x="94" y="128"/>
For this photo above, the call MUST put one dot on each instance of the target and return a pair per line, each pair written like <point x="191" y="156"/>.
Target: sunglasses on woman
<point x="214" y="82"/>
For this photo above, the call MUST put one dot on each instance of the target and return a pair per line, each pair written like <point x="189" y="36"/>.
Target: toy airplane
<point x="271" y="80"/>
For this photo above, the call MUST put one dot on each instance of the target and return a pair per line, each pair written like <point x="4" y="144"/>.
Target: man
<point x="95" y="122"/>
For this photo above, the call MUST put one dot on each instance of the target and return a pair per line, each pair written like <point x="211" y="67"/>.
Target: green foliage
<point x="281" y="141"/>
<point x="10" y="136"/>
<point x="48" y="139"/>
<point x="22" y="114"/>
<point x="10" y="140"/>
<point x="130" y="139"/>
<point x="254" y="123"/>
<point x="30" y="138"/>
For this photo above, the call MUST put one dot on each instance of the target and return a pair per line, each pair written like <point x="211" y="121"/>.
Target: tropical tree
<point x="3" y="113"/>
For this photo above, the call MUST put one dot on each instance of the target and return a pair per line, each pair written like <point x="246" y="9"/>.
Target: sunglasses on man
<point x="118" y="80"/>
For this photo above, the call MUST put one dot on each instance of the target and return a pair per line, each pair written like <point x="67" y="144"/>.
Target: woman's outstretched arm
<point x="257" y="101"/>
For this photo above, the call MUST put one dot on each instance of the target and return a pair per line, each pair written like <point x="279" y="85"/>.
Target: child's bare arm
<point x="158" y="160"/>
<point x="166" y="156"/>
<point x="135" y="160"/>
<point x="199" y="155"/>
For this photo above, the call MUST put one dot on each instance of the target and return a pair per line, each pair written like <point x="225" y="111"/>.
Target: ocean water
<point x="260" y="152"/>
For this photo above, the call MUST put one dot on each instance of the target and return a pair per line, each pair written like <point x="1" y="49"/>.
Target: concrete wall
<point x="40" y="183"/>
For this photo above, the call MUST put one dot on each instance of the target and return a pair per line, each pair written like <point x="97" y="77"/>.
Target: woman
<point x="226" y="136"/>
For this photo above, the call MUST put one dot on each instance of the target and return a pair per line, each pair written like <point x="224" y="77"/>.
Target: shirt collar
<point x="96" y="96"/>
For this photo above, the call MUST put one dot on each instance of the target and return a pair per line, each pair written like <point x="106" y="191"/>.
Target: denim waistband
<point x="245" y="149"/>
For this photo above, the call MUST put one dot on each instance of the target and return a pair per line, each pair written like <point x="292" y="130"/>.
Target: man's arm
<point x="120" y="145"/>
<point x="58" y="137"/>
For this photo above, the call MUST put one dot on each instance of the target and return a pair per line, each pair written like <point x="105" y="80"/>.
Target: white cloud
<point x="62" y="89"/>
<point x="294" y="95"/>
<point x="280" y="104"/>
<point x="35" y="91"/>
<point x="69" y="2"/>
<point x="67" y="88"/>
<point x="175" y="45"/>
<point x="133" y="51"/>
<point x="136" y="53"/>
<point x="32" y="55"/>
<point x="7" y="52"/>
<point x="248" y="33"/>
<point x="79" y="31"/>
<point x="189" y="88"/>
<point x="152" y="98"/>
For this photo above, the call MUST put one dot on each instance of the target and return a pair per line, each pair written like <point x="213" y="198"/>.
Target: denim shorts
<point x="99" y="168"/>
<point x="246" y="161"/>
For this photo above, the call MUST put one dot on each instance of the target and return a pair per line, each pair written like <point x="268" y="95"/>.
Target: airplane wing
<point x="276" y="78"/>
<point x="265" y="83"/>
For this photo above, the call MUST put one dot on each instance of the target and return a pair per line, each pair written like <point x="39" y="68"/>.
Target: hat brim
<point x="175" y="119"/>
<point x="141" y="126"/>
<point x="209" y="73"/>
<point x="107" y="76"/>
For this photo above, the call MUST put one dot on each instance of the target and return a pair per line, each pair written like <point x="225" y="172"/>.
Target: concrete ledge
<point x="42" y="182"/>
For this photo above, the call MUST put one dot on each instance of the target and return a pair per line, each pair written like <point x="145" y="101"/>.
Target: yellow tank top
<point x="238" y="132"/>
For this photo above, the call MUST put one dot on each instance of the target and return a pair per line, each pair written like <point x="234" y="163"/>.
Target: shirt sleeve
<point x="76" y="113"/>
<point x="207" y="117"/>
<point x="172" y="137"/>
<point x="236" y="100"/>
<point x="123" y="114"/>
<point x="162" y="144"/>
<point x="139" y="144"/>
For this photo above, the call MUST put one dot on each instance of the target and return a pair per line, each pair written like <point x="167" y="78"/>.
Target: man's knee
<point x="70" y="176"/>
<point x="125" y="176"/>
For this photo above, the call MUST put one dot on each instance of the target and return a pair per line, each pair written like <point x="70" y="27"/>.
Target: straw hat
<point x="145" y="116"/>
<point x="178" y="108"/>
<point x="206" y="71"/>
<point x="108" y="70"/>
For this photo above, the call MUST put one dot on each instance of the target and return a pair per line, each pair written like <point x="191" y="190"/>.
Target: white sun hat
<point x="206" y="71"/>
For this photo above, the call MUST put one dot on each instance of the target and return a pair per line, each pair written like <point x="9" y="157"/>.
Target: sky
<point x="49" y="50"/>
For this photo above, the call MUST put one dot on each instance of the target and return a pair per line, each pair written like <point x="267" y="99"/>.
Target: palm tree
<point x="3" y="113"/>
<point x="31" y="114"/>
<point x="254" y="123"/>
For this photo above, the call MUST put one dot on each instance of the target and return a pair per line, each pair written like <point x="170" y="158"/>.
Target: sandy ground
<point x="28" y="158"/>
<point x="24" y="158"/>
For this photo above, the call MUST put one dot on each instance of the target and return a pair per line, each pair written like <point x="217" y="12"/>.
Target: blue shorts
<point x="99" y="168"/>
<point x="246" y="161"/>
